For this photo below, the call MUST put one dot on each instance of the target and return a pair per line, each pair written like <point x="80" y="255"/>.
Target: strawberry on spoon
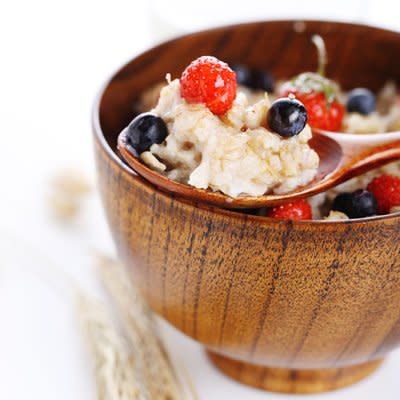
<point x="318" y="94"/>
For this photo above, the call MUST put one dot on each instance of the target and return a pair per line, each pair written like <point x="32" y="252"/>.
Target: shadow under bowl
<point x="296" y="307"/>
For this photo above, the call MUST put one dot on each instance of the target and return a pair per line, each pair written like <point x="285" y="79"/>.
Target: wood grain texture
<point x="292" y="380"/>
<point x="277" y="294"/>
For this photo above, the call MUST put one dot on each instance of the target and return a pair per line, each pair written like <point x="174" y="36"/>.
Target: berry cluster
<point x="381" y="195"/>
<point x="310" y="97"/>
<point x="213" y="83"/>
<point x="322" y="113"/>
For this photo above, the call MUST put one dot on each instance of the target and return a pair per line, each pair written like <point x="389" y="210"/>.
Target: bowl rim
<point x="113" y="156"/>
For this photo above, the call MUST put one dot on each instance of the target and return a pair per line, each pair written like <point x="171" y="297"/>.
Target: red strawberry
<point x="211" y="82"/>
<point x="318" y="96"/>
<point x="321" y="113"/>
<point x="386" y="189"/>
<point x="296" y="210"/>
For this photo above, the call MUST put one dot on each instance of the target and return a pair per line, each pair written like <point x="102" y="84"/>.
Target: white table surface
<point x="54" y="56"/>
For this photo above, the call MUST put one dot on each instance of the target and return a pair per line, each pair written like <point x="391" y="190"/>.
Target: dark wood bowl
<point x="286" y="306"/>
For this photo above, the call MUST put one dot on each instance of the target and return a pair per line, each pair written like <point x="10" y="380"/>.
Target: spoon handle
<point x="364" y="152"/>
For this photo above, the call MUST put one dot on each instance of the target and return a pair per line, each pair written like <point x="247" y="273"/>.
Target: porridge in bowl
<point x="230" y="130"/>
<point x="228" y="145"/>
<point x="235" y="154"/>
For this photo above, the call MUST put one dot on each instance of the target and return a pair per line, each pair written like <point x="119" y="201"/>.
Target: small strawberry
<point x="296" y="210"/>
<point x="209" y="81"/>
<point x="386" y="189"/>
<point x="318" y="94"/>
<point x="322" y="113"/>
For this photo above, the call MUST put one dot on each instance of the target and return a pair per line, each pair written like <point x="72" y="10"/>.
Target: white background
<point x="53" y="58"/>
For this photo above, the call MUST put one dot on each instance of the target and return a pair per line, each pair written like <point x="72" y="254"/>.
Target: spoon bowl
<point x="342" y="156"/>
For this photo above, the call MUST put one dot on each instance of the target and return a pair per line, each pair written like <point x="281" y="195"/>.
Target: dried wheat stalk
<point x="114" y="361"/>
<point x="130" y="360"/>
<point x="138" y="322"/>
<point x="67" y="190"/>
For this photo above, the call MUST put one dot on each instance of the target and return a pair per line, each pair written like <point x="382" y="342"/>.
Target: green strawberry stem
<point x="321" y="49"/>
<point x="315" y="82"/>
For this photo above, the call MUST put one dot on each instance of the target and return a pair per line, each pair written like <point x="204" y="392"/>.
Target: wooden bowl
<point x="295" y="307"/>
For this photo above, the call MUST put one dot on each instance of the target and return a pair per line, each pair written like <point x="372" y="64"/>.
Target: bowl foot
<point x="292" y="380"/>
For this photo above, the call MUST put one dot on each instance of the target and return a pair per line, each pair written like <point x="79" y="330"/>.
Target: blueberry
<point x="361" y="101"/>
<point x="364" y="204"/>
<point x="243" y="74"/>
<point x="358" y="204"/>
<point x="253" y="78"/>
<point x="287" y="117"/>
<point x="343" y="203"/>
<point x="145" y="130"/>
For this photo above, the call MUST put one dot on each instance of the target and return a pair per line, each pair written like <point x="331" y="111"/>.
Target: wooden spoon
<point x="342" y="156"/>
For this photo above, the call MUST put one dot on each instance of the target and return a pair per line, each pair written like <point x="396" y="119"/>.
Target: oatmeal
<point x="232" y="131"/>
<point x="235" y="154"/>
